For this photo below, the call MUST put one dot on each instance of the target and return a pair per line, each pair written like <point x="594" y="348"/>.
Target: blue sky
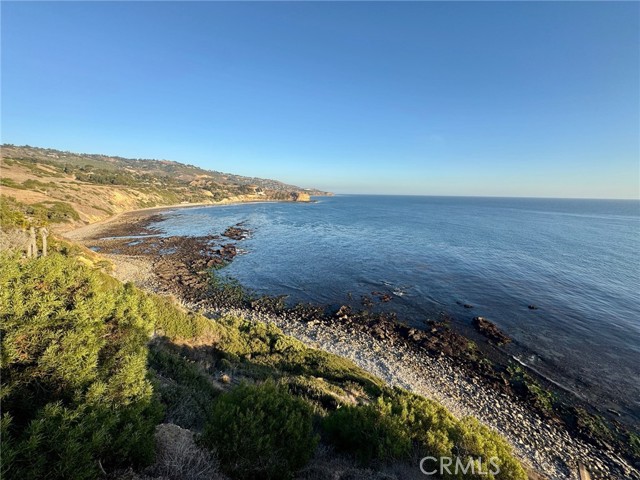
<point x="506" y="98"/>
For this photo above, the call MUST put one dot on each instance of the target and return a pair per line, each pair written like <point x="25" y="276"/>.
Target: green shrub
<point x="11" y="215"/>
<point x="53" y="212"/>
<point x="472" y="439"/>
<point x="15" y="214"/>
<point x="73" y="443"/>
<point x="316" y="390"/>
<point x="368" y="432"/>
<point x="438" y="434"/>
<point x="8" y="182"/>
<point x="38" y="185"/>
<point x="176" y="323"/>
<point x="261" y="432"/>
<point x="428" y="424"/>
<point x="243" y="338"/>
<point x="388" y="428"/>
<point x="188" y="394"/>
<point x="266" y="346"/>
<point x="74" y="386"/>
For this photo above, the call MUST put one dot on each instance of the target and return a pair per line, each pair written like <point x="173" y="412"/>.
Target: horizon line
<point x="480" y="196"/>
<point x="5" y="143"/>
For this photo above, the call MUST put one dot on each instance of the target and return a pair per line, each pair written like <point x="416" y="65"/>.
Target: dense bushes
<point x="15" y="214"/>
<point x="176" y="323"/>
<point x="388" y="424"/>
<point x="368" y="432"/>
<point x="76" y="396"/>
<point x="185" y="390"/>
<point x="11" y="214"/>
<point x="74" y="387"/>
<point x="439" y="434"/>
<point x="266" y="346"/>
<point x="387" y="429"/>
<point x="472" y="439"/>
<point x="76" y="442"/>
<point x="261" y="432"/>
<point x="52" y="212"/>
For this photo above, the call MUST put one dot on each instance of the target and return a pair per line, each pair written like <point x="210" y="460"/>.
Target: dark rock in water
<point x="532" y="307"/>
<point x="307" y="312"/>
<point x="465" y="305"/>
<point x="227" y="251"/>
<point x="383" y="297"/>
<point x="214" y="262"/>
<point x="236" y="233"/>
<point x="366" y="301"/>
<point x="489" y="330"/>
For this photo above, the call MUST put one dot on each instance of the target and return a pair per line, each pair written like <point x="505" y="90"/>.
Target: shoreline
<point x="85" y="232"/>
<point x="546" y="447"/>
<point x="542" y="447"/>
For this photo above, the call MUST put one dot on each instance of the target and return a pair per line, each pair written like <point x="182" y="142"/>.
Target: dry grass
<point x="13" y="239"/>
<point x="179" y="457"/>
<point x="329" y="465"/>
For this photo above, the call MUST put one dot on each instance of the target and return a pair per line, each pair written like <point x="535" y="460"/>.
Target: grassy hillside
<point x="97" y="186"/>
<point x="90" y="366"/>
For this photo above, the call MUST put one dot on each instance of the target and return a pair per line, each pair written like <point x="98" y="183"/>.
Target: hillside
<point x="205" y="392"/>
<point x="91" y="187"/>
<point x="101" y="379"/>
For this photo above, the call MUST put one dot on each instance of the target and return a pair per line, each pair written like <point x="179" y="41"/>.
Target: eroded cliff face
<point x="92" y="188"/>
<point x="300" y="197"/>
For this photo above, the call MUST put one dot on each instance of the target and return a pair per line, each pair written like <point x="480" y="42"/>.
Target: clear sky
<point x="506" y="98"/>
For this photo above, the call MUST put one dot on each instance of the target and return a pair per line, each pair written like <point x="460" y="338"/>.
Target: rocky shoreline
<point x="438" y="364"/>
<point x="545" y="447"/>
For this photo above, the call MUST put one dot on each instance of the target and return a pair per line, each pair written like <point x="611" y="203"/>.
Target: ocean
<point x="577" y="261"/>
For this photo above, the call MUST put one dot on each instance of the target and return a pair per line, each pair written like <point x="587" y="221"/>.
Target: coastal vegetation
<point x="68" y="187"/>
<point x="261" y="431"/>
<point x="90" y="366"/>
<point x="15" y="214"/>
<point x="75" y="393"/>
<point x="398" y="423"/>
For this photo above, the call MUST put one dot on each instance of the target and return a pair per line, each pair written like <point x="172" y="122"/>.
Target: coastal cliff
<point x="78" y="188"/>
<point x="135" y="368"/>
<point x="300" y="197"/>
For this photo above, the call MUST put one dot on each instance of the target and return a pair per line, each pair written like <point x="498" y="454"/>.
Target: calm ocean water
<point x="577" y="260"/>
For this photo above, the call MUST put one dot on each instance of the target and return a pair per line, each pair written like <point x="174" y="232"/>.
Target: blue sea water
<point x="577" y="260"/>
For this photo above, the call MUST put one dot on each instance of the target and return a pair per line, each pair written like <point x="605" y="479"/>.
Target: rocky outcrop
<point x="300" y="197"/>
<point x="489" y="330"/>
<point x="236" y="233"/>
